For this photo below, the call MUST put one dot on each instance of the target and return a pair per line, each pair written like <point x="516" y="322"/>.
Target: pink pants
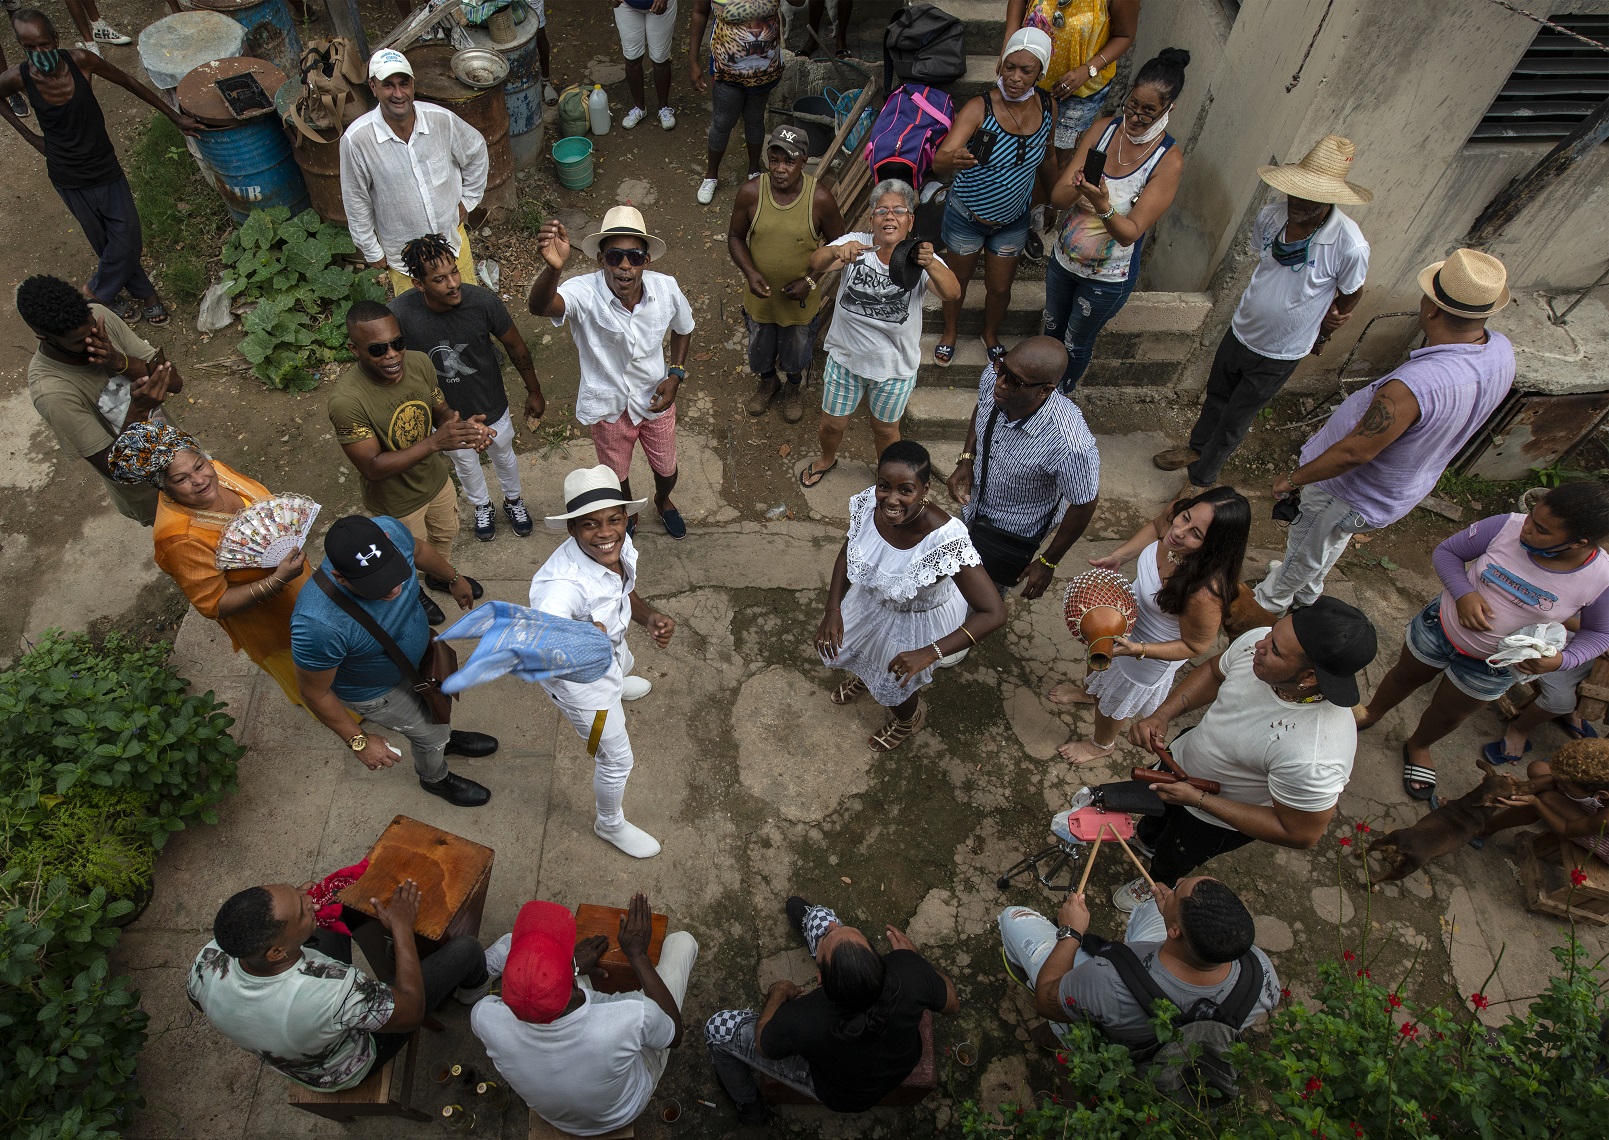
<point x="613" y="443"/>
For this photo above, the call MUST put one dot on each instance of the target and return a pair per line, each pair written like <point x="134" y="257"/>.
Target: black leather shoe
<point x="796" y="908"/>
<point x="458" y="791"/>
<point x="471" y="744"/>
<point x="433" y="612"/>
<point x="440" y="586"/>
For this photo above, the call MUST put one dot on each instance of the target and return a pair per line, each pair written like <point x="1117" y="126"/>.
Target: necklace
<point x="1172" y="557"/>
<point x="1314" y="699"/>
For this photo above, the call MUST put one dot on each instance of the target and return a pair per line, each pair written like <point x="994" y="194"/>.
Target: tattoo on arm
<point x="1377" y="420"/>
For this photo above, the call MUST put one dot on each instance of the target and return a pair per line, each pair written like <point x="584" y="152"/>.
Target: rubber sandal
<point x="809" y="476"/>
<point x="1416" y="774"/>
<point x="1585" y="732"/>
<point x="128" y="311"/>
<point x="896" y="731"/>
<point x="943" y="354"/>
<point x="997" y="352"/>
<point x="1495" y="755"/>
<point x="156" y="313"/>
<point x="847" y="691"/>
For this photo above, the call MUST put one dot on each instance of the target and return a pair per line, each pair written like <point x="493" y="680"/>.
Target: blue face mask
<point x="1545" y="551"/>
<point x="45" y="62"/>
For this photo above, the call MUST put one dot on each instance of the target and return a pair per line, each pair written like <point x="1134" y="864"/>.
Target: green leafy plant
<point x="93" y="839"/>
<point x="1553" y="475"/>
<point x="181" y="216"/>
<point x="293" y="269"/>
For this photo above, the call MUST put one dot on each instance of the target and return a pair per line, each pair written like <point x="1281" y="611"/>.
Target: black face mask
<point x="45" y="62"/>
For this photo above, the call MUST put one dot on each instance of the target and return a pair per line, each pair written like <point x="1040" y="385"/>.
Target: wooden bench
<point x="912" y="1090"/>
<point x="542" y="1130"/>
<point x="1587" y="902"/>
<point x="371" y="1097"/>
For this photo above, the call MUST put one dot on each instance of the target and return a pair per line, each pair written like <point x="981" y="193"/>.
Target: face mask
<point x="1023" y="98"/>
<point x="44" y="62"/>
<point x="1545" y="551"/>
<point x="1151" y="135"/>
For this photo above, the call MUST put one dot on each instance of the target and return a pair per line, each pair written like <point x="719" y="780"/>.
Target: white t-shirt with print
<point x="1280" y="311"/>
<point x="1262" y="748"/>
<point x="876" y="328"/>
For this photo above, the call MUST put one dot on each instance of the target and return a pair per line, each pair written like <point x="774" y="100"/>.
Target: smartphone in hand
<point x="1094" y="166"/>
<point x="981" y="145"/>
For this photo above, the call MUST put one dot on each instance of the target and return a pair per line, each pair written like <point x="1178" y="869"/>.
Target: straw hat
<point x="1468" y="284"/>
<point x="1321" y="175"/>
<point x="623" y="221"/>
<point x="589" y="489"/>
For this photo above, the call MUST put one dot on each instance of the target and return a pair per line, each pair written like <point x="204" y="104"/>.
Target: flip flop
<point x="996" y="352"/>
<point x="1495" y="755"/>
<point x="156" y="313"/>
<point x="1416" y="774"/>
<point x="1585" y="732"/>
<point x="674" y="526"/>
<point x="128" y="311"/>
<point x="944" y="353"/>
<point x="809" y="476"/>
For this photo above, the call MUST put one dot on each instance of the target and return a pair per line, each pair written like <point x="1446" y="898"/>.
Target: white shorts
<point x="642" y="31"/>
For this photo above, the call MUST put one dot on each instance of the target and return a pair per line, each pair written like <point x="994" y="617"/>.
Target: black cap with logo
<point x="793" y="140"/>
<point x="365" y="557"/>
<point x="1339" y="642"/>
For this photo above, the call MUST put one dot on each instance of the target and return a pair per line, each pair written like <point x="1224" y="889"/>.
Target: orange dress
<point x="186" y="548"/>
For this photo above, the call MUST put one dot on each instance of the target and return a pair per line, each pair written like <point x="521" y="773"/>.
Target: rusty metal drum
<point x="270" y="29"/>
<point x="319" y="159"/>
<point x="250" y="155"/>
<point x="485" y="110"/>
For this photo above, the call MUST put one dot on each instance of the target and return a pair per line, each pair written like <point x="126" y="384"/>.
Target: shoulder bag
<point x="439" y="662"/>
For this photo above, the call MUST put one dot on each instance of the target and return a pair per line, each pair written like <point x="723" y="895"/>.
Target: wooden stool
<point x="452" y="872"/>
<point x="591" y="919"/>
<point x="912" y="1090"/>
<point x="542" y="1130"/>
<point x="370" y="1097"/>
<point x="1588" y="902"/>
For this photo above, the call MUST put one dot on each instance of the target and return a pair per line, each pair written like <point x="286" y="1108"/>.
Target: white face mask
<point x="1151" y="135"/>
<point x="1023" y="98"/>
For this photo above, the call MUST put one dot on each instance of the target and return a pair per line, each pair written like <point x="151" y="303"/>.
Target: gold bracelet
<point x="968" y="632"/>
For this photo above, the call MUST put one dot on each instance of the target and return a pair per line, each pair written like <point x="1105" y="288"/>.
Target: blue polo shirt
<point x="323" y="636"/>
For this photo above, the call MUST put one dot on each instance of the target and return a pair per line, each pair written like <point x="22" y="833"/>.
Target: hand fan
<point x="264" y="534"/>
<point x="1099" y="608"/>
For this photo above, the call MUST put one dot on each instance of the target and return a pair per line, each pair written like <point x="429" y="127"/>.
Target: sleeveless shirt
<point x="1086" y="246"/>
<point x="78" y="151"/>
<point x="998" y="191"/>
<point x="781" y="240"/>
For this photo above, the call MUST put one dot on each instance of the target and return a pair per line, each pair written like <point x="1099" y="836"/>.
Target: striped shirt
<point x="998" y="190"/>
<point x="1033" y="465"/>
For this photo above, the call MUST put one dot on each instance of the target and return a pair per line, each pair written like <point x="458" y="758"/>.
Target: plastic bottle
<point x="598" y="110"/>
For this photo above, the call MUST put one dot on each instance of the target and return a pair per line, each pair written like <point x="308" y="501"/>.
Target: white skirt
<point x="875" y="633"/>
<point x="1131" y="687"/>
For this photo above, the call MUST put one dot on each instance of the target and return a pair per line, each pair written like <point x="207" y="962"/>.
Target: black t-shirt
<point x="459" y="344"/>
<point x="852" y="1076"/>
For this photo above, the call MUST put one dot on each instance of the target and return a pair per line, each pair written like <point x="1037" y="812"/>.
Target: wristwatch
<point x="359" y="742"/>
<point x="1068" y="932"/>
<point x="1094" y="72"/>
<point x="677" y="371"/>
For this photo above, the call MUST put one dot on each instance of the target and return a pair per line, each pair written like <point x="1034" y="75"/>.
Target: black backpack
<point x="923" y="44"/>
<point x="1194" y="1067"/>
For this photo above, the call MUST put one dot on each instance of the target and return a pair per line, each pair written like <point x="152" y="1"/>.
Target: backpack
<point x="908" y="132"/>
<point x="924" y="44"/>
<point x="335" y="91"/>
<point x="1194" y="1067"/>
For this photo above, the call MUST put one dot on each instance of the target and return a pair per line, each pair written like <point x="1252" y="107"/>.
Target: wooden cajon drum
<point x="912" y="1090"/>
<point x="370" y="1097"/>
<point x="1587" y="902"/>
<point x="591" y="919"/>
<point x="452" y="872"/>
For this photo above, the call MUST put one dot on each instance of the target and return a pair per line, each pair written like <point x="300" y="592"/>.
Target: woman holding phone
<point x="1122" y="178"/>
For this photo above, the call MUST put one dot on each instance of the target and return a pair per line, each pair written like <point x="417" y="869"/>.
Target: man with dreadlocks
<point x="453" y="323"/>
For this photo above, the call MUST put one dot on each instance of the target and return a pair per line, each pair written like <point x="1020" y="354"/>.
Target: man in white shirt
<point x="1278" y="736"/>
<point x="593" y="578"/>
<point x="585" y="1061"/>
<point x="1311" y="263"/>
<point x="409" y="169"/>
<point x="618" y="319"/>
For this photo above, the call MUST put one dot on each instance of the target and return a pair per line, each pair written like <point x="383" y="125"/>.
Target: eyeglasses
<point x="381" y="347"/>
<point x="613" y="257"/>
<point x="891" y="212"/>
<point x="1012" y="380"/>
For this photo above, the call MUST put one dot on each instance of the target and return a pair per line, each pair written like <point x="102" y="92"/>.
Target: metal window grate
<point x="1559" y="81"/>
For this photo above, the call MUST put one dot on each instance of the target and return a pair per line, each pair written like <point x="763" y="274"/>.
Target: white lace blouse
<point x="913" y="580"/>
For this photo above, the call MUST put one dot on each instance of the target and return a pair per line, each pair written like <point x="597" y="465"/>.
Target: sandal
<point x="1495" y="755"/>
<point x="848" y="690"/>
<point x="156" y="312"/>
<point x="1417" y="774"/>
<point x="944" y="353"/>
<point x="127" y="311"/>
<point x="1585" y="732"/>
<point x="997" y="352"/>
<point x="897" y="731"/>
<point x="809" y="476"/>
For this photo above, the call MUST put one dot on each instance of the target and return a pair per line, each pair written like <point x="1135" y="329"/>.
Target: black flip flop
<point x="810" y="469"/>
<point x="1416" y="774"/>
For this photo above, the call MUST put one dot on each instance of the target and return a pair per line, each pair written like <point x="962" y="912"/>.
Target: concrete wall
<point x="1407" y="81"/>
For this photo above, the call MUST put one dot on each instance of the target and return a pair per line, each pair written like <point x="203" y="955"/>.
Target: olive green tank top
<point x="781" y="240"/>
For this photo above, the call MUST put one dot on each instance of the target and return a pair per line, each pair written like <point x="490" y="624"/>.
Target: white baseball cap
<point x="388" y="62"/>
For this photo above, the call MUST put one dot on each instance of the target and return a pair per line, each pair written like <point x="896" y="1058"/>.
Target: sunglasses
<point x="1012" y="380"/>
<point x="613" y="257"/>
<point x="381" y="347"/>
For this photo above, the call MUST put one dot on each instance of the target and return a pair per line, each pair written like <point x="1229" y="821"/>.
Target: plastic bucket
<point x="820" y="134"/>
<point x="573" y="156"/>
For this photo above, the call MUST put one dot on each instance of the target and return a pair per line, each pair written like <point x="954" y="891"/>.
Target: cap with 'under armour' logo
<point x="365" y="557"/>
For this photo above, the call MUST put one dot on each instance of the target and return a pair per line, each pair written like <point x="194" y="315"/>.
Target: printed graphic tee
<point x="746" y="41"/>
<point x="877" y="326"/>
<point x="459" y="343"/>
<point x="398" y="415"/>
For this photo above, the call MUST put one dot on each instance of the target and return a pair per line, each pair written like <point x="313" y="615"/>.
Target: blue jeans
<point x="1076" y="309"/>
<point x="964" y="233"/>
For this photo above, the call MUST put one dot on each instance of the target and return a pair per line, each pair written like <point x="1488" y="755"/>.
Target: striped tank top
<point x="998" y="191"/>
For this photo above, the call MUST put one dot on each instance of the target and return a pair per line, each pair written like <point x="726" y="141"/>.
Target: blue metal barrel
<point x="251" y="157"/>
<point x="522" y="90"/>
<point x="270" y="31"/>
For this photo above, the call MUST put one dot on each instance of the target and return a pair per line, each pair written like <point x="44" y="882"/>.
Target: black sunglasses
<point x="613" y="257"/>
<point x="380" y="347"/>
<point x="1014" y="381"/>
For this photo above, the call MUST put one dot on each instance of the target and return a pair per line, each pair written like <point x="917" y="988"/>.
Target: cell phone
<point x="1094" y="166"/>
<point x="981" y="145"/>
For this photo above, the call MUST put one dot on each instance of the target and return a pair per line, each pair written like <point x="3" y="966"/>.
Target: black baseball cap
<point x="1339" y="642"/>
<point x="365" y="557"/>
<point x="793" y="140"/>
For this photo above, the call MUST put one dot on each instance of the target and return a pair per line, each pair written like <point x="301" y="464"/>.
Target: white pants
<point x="608" y="743"/>
<point x="1313" y="546"/>
<point x="1029" y="936"/>
<point x="640" y="31"/>
<point x="507" y="465"/>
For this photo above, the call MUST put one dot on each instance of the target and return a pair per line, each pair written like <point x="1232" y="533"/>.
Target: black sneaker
<point x="458" y="791"/>
<point x="753" y="1114"/>
<point x="485" y="523"/>
<point x="796" y="908"/>
<point x="19" y="107"/>
<point x="433" y="613"/>
<point x="1034" y="248"/>
<point x="518" y="517"/>
<point x="476" y="590"/>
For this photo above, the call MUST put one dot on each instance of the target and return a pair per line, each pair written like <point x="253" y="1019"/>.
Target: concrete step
<point x="1145" y="312"/>
<point x="1122" y="360"/>
<point x="985" y="21"/>
<point x="980" y="74"/>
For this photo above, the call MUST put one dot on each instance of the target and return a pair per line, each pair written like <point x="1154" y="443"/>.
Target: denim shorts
<point x="963" y="233"/>
<point x="1471" y="676"/>
<point x="1075" y="113"/>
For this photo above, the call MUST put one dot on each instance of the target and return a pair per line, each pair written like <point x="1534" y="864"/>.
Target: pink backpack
<point x="908" y="132"/>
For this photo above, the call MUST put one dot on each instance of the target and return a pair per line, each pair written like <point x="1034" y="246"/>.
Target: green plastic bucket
<point x="573" y="157"/>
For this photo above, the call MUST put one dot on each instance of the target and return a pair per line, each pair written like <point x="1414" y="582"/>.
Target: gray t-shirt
<point x="1095" y="992"/>
<point x="459" y="344"/>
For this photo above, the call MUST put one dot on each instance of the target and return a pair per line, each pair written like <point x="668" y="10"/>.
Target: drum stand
<point x="1061" y="856"/>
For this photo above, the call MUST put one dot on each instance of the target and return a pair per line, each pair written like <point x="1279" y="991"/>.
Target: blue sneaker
<point x="518" y="517"/>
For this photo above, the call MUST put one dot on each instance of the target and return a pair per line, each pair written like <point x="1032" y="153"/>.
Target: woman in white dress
<point x="1189" y="566"/>
<point x="900" y="594"/>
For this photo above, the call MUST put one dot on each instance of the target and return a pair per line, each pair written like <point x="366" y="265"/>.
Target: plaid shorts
<point x="613" y="443"/>
<point x="842" y="389"/>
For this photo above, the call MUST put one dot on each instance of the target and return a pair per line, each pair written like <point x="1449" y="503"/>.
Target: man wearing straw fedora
<point x="593" y="577"/>
<point x="618" y="318"/>
<point x="1311" y="262"/>
<point x="1383" y="449"/>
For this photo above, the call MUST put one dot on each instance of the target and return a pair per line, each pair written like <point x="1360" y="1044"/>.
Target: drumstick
<point x="1129" y="851"/>
<point x="1172" y="765"/>
<point x="1100" y="834"/>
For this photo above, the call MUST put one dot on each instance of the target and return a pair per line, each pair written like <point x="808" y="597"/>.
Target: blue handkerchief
<point x="532" y="645"/>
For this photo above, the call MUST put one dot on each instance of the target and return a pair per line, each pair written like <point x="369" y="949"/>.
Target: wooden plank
<point x="591" y="919"/>
<point x="1511" y="201"/>
<point x="421" y="20"/>
<point x="372" y="1089"/>
<point x="449" y="869"/>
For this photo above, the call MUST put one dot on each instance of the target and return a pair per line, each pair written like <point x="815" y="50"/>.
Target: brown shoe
<point x="793" y="402"/>
<point x="763" y="391"/>
<point x="1175" y="458"/>
<point x="1245" y="613"/>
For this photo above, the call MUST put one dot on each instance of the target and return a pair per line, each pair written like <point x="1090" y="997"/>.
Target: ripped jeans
<point x="1076" y="309"/>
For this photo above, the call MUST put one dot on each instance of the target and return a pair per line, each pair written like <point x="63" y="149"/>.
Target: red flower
<point x="1364" y="974"/>
<point x="1314" y="1084"/>
<point x="1348" y="955"/>
<point x="1394" y="1001"/>
<point x="1577" y="876"/>
<point x="1409" y="1030"/>
<point x="1478" y="1001"/>
<point x="1061" y="1058"/>
<point x="1345" y="842"/>
<point x="1284" y="995"/>
<point x="1360" y="826"/>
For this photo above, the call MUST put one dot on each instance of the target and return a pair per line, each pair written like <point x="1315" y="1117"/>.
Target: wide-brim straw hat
<point x="1468" y="284"/>
<point x="589" y="489"/>
<point x="623" y="221"/>
<point x="1321" y="175"/>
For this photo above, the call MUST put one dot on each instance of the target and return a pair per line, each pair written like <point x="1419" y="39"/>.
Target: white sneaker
<point x="667" y="118"/>
<point x="104" y="33"/>
<point x="550" y="93"/>
<point x="1131" y="896"/>
<point x="706" y="191"/>
<point x="635" y="689"/>
<point x="471" y="996"/>
<point x="634" y="841"/>
<point x="632" y="118"/>
<point x="89" y="46"/>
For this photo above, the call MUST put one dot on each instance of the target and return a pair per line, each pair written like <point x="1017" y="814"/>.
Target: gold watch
<point x="358" y="743"/>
